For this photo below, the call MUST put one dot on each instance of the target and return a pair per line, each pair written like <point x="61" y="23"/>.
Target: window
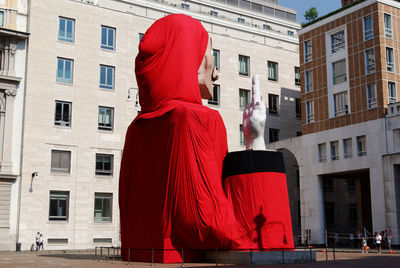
<point x="299" y="133"/>
<point x="266" y="27"/>
<point x="389" y="59"/>
<point x="352" y="214"/>
<point x="244" y="97"/>
<point x="334" y="150"/>
<point x="62" y="115"/>
<point x="66" y="29"/>
<point x="141" y="36"/>
<point x="273" y="135"/>
<point x="291" y="33"/>
<point x="392" y="92"/>
<point x="396" y="139"/>
<point x="387" y="21"/>
<point x="341" y="107"/>
<point x="58" y="208"/>
<point x="297" y="76"/>
<point x="185" y="6"/>
<point x="216" y="58"/>
<point x="368" y="29"/>
<point x="244" y="64"/>
<point x="322" y="152"/>
<point x="351" y="185"/>
<point x="273" y="101"/>
<point x="104" y="164"/>
<point x="339" y="71"/>
<point x="298" y="107"/>
<point x="272" y="71"/>
<point x="309" y="112"/>
<point x="107" y="38"/>
<point x="64" y="70"/>
<point x="361" y="145"/>
<point x="369" y="61"/>
<point x="103" y="206"/>
<point x="214" y="100"/>
<point x="242" y="139"/>
<point x="107" y="77"/>
<point x="60" y="161"/>
<point x="328" y="185"/>
<point x="308" y="81"/>
<point x="371" y="96"/>
<point x="347" y="148"/>
<point x="307" y="51"/>
<point x="337" y="41"/>
<point x="214" y="13"/>
<point x="106" y="118"/>
<point x="330" y="214"/>
<point x="1" y="19"/>
<point x="240" y="20"/>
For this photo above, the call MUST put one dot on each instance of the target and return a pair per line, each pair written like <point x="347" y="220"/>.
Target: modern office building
<point x="349" y="155"/>
<point x="82" y="94"/>
<point x="13" y="44"/>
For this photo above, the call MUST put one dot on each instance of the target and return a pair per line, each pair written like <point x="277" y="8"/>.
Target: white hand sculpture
<point x="254" y="117"/>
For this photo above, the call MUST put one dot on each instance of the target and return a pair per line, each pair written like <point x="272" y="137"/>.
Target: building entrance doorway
<point x="347" y="201"/>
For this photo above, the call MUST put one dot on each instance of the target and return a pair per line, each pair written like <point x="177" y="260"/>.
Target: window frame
<point x="273" y="135"/>
<point x="347" y="148"/>
<point x="307" y="51"/>
<point x="390" y="66"/>
<point x="335" y="47"/>
<point x="63" y="78"/>
<point x="58" y="169"/>
<point x="388" y="29"/>
<point x="392" y="92"/>
<point x="297" y="76"/>
<point x="334" y="146"/>
<point x="104" y="171"/>
<point x="106" y="85"/>
<point x="185" y="6"/>
<point x="215" y="98"/>
<point x="340" y="101"/>
<point x="213" y="13"/>
<point x="241" y="20"/>
<point x="310" y="112"/>
<point x="107" y="46"/>
<point x="58" y="194"/>
<point x="242" y="138"/>
<point x="370" y="66"/>
<point x="103" y="196"/>
<point x="371" y="101"/>
<point x="368" y="34"/>
<point x="245" y="63"/>
<point x="216" y="56"/>
<point x="336" y="76"/>
<point x="273" y="104"/>
<point x="273" y="67"/>
<point x="243" y="93"/>
<point x="65" y="38"/>
<point x="322" y="152"/>
<point x="103" y="127"/>
<point x="308" y="81"/>
<point x="298" y="107"/>
<point x="62" y="122"/>
<point x="361" y="145"/>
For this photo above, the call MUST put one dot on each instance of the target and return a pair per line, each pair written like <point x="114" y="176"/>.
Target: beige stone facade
<point x="68" y="191"/>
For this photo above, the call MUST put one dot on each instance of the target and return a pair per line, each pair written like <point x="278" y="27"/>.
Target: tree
<point x="311" y="14"/>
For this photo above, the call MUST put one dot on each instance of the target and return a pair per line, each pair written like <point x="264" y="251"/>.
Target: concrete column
<point x="6" y="164"/>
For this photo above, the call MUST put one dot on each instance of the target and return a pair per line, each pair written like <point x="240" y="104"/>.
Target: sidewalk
<point x="86" y="259"/>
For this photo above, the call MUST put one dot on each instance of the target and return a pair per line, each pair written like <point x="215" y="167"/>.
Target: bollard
<point x="152" y="257"/>
<point x="129" y="256"/>
<point x="216" y="257"/>
<point x="334" y="257"/>
<point x="108" y="254"/>
<point x="101" y="253"/>
<point x="183" y="263"/>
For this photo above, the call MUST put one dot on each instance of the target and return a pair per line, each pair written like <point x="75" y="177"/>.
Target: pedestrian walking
<point x="37" y="239"/>
<point x="41" y="242"/>
<point x="378" y="240"/>
<point x="364" y="248"/>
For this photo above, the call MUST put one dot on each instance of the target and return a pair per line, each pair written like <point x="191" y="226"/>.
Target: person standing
<point x="41" y="241"/>
<point x="364" y="247"/>
<point x="37" y="240"/>
<point x="378" y="240"/>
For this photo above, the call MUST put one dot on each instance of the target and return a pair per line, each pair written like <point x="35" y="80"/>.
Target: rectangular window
<point x="242" y="139"/>
<point x="361" y="145"/>
<point x="368" y="28"/>
<point x="371" y="96"/>
<point x="1" y="19"/>
<point x="273" y="135"/>
<point x="272" y="71"/>
<point x="322" y="152"/>
<point x="244" y="97"/>
<point x="60" y="161"/>
<point x="392" y="92"/>
<point x="66" y="29"/>
<point x="341" y="107"/>
<point x="328" y="185"/>
<point x="273" y="102"/>
<point x="351" y="185"/>
<point x="307" y="51"/>
<point x="64" y="70"/>
<point x="337" y="41"/>
<point x="185" y="6"/>
<point x="334" y="150"/>
<point x="103" y="206"/>
<point x="266" y="27"/>
<point x="104" y="164"/>
<point x="309" y="112"/>
<point x="214" y="100"/>
<point x="347" y="148"/>
<point x="297" y="76"/>
<point x="107" y="77"/>
<point x="107" y="38"/>
<point x="389" y="59"/>
<point x="369" y="61"/>
<point x="308" y="75"/>
<point x="339" y="71"/>
<point x="216" y="55"/>
<point x="244" y="65"/>
<point x="106" y="118"/>
<point x="298" y="107"/>
<point x="214" y="13"/>
<point x="387" y="21"/>
<point x="291" y="33"/>
<point x="62" y="114"/>
<point x="240" y="20"/>
<point x="58" y="208"/>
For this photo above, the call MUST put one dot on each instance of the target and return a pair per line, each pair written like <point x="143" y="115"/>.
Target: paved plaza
<point x="46" y="259"/>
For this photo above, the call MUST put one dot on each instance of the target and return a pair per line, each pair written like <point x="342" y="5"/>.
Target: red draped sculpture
<point x="171" y="193"/>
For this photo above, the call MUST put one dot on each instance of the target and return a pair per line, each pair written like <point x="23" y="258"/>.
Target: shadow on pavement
<point x="70" y="256"/>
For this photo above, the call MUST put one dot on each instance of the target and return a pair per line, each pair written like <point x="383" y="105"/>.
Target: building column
<point x="6" y="163"/>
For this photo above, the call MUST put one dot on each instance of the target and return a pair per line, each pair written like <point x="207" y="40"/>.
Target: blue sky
<point x="323" y="6"/>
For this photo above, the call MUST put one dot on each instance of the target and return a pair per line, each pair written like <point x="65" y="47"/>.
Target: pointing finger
<point x="256" y="90"/>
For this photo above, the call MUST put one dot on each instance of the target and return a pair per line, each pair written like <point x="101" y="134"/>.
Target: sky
<point x="323" y="6"/>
